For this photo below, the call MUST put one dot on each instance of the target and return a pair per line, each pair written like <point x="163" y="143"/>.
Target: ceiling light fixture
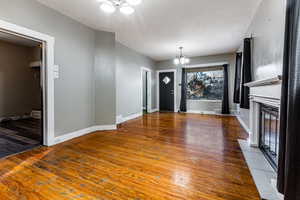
<point x="181" y="59"/>
<point x="124" y="6"/>
<point x="127" y="10"/>
<point x="108" y="7"/>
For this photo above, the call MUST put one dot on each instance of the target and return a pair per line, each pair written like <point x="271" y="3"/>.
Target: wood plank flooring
<point x="158" y="156"/>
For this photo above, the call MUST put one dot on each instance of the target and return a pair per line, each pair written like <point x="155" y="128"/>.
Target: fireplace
<point x="262" y="155"/>
<point x="269" y="133"/>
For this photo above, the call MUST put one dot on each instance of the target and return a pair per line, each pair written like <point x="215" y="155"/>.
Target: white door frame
<point x="47" y="74"/>
<point x="149" y="89"/>
<point x="175" y="86"/>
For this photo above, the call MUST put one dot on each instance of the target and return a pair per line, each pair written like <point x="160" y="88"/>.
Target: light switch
<point x="56" y="71"/>
<point x="56" y="75"/>
<point x="56" y="68"/>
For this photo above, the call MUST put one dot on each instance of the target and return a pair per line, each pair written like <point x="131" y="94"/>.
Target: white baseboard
<point x="243" y="124"/>
<point x="121" y="119"/>
<point x="154" y="110"/>
<point x="210" y="112"/>
<point x="82" y="132"/>
<point x="202" y="112"/>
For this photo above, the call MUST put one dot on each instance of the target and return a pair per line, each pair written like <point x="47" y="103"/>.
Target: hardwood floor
<point x="158" y="156"/>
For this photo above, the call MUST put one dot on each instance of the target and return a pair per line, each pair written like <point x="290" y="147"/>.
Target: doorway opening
<point x="146" y="90"/>
<point x="21" y="94"/>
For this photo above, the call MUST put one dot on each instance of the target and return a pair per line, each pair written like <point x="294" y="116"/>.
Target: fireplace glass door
<point x="269" y="134"/>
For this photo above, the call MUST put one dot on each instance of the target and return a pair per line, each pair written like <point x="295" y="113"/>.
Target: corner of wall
<point x="105" y="78"/>
<point x="82" y="132"/>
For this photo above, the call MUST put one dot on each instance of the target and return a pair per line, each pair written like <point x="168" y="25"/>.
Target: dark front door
<point x="166" y="91"/>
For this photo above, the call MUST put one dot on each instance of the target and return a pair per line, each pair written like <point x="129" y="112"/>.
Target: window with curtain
<point x="205" y="83"/>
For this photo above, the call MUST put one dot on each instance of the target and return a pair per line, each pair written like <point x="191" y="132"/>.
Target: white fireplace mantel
<point x="268" y="92"/>
<point x="264" y="82"/>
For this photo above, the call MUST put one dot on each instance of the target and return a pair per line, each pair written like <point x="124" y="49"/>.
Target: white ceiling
<point x="159" y="27"/>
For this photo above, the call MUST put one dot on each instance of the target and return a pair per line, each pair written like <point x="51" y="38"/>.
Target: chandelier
<point x="124" y="6"/>
<point x="181" y="59"/>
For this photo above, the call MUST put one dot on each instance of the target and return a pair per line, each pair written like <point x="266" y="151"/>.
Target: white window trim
<point x="207" y="65"/>
<point x="47" y="75"/>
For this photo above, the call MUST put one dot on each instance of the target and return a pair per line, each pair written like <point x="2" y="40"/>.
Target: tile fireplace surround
<point x="267" y="92"/>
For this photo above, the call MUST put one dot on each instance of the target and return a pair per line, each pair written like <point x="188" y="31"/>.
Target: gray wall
<point x="105" y="78"/>
<point x="19" y="83"/>
<point x="74" y="53"/>
<point x="129" y="80"/>
<point x="201" y="60"/>
<point x="267" y="28"/>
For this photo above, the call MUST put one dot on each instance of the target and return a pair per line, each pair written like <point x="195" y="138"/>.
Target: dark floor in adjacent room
<point x="19" y="135"/>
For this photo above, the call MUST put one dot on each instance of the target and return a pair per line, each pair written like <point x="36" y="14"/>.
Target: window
<point x="205" y="84"/>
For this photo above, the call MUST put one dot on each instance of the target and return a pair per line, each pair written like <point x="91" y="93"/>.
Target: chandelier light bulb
<point x="134" y="2"/>
<point x="182" y="60"/>
<point x="127" y="10"/>
<point x="176" y="61"/>
<point x="108" y="7"/>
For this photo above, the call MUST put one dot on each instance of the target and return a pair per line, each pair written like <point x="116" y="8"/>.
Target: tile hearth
<point x="261" y="171"/>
